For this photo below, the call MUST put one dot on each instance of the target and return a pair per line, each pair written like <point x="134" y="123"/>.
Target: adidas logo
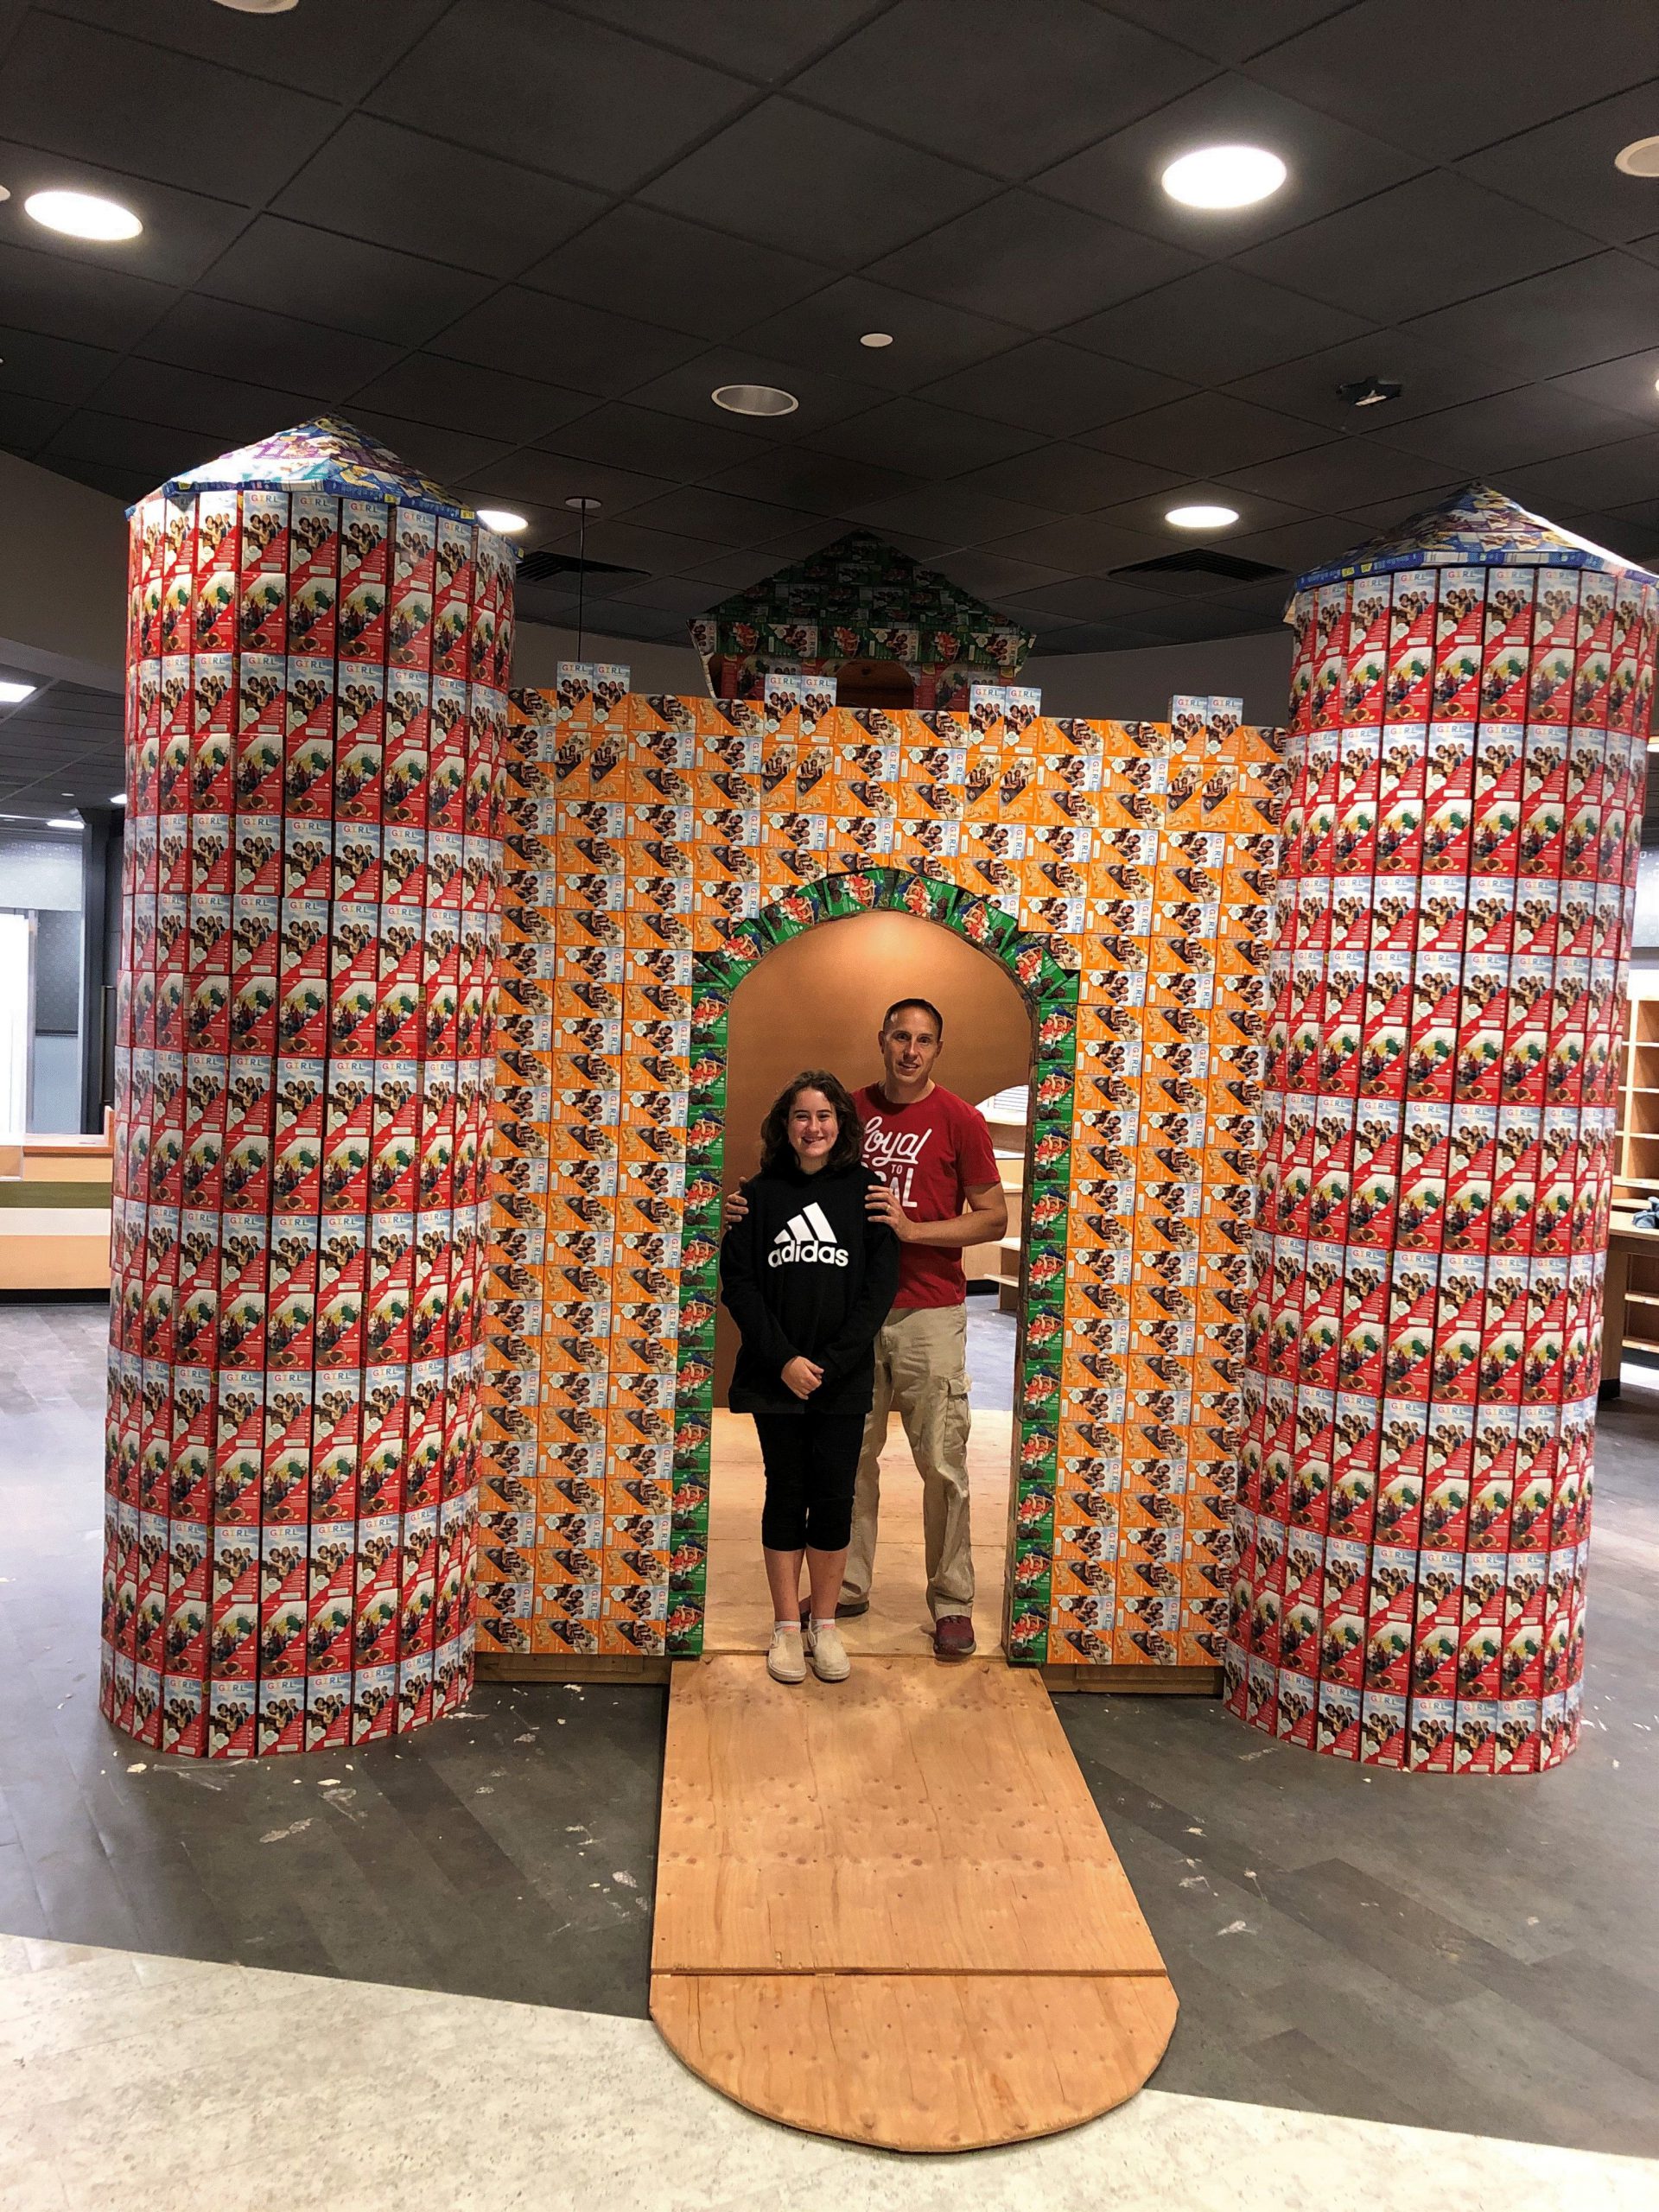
<point x="807" y="1238"/>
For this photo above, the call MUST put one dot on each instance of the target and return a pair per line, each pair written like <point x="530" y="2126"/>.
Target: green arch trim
<point x="1050" y="988"/>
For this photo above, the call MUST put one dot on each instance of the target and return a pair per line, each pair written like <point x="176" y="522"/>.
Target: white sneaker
<point x="786" y="1660"/>
<point x="828" y="1652"/>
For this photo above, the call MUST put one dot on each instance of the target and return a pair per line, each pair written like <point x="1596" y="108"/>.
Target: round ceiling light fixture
<point x="260" y="7"/>
<point x="83" y="215"/>
<point x="1223" y="176"/>
<point x="1639" y="158"/>
<point x="755" y="399"/>
<point x="1202" y="517"/>
<point x="65" y="822"/>
<point x="502" y="519"/>
<point x="13" y="690"/>
<point x="874" y="338"/>
<point x="117" y="799"/>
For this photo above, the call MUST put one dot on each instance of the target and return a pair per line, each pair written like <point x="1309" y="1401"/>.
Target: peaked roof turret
<point x="1476" y="527"/>
<point x="329" y="455"/>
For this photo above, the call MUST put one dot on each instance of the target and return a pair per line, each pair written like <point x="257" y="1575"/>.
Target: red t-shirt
<point x="932" y="1152"/>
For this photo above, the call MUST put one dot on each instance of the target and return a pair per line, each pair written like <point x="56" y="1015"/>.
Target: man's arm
<point x="984" y="1223"/>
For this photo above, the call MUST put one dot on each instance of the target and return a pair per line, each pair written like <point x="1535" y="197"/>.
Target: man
<point x="940" y="1192"/>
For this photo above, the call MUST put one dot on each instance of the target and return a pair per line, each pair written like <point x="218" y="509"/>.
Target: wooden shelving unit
<point x="1635" y="1169"/>
<point x="1005" y="1118"/>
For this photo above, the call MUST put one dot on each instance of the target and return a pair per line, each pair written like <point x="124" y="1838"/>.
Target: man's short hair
<point x="927" y="1006"/>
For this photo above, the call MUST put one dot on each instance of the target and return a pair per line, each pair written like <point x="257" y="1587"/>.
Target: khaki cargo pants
<point x="920" y="1355"/>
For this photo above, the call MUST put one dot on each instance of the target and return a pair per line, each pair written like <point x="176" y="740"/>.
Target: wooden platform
<point x="887" y="1910"/>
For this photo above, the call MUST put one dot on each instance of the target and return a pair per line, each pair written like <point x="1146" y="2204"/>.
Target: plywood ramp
<point x="888" y="1911"/>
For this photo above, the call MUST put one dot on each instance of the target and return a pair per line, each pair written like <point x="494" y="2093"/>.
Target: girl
<point x="808" y="1277"/>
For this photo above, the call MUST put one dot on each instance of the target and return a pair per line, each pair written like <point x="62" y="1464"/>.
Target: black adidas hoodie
<point x="807" y="1273"/>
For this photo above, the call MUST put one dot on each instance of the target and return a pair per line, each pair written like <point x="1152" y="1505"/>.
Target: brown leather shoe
<point x="953" y="1637"/>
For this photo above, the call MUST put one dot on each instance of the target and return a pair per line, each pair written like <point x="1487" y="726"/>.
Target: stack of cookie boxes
<point x="1471" y="707"/>
<point x="655" y="848"/>
<point x="318" y="641"/>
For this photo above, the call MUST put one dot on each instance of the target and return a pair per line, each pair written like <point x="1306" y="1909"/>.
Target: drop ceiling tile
<point x="1370" y="258"/>
<point x="1066" y="479"/>
<point x="1032" y="261"/>
<point x="1191" y="625"/>
<point x="1207" y="430"/>
<point x="1064" y="73"/>
<point x="929" y="341"/>
<point x="60" y="296"/>
<point x="723" y="518"/>
<point x="321" y="277"/>
<point x="229" y="409"/>
<point x="1608" y="476"/>
<point x="823" y="483"/>
<point x="621" y="435"/>
<point x="230" y="340"/>
<point x="116" y="444"/>
<point x="462" y="396"/>
<point x="337" y="50"/>
<point x="1221" y="29"/>
<point x="1570" y="318"/>
<point x="1628" y="383"/>
<point x="1565" y="168"/>
<point x="953" y="513"/>
<point x="1083" y="545"/>
<point x="70" y="88"/>
<point x="1329" y="167"/>
<point x="1298" y="546"/>
<point x="549" y="479"/>
<point x="617" y="618"/>
<point x="824" y="398"/>
<point x="1256" y="510"/>
<point x="1634" y="534"/>
<point x="680" y="596"/>
<point x="1511" y="428"/>
<point x="736" y="571"/>
<point x="1058" y="389"/>
<point x="1432" y="375"/>
<point x="1176" y="328"/>
<point x="585" y="348"/>
<point x="1377" y="515"/>
<point x="637" y="261"/>
<point x="923" y="439"/>
<point x="531" y="83"/>
<point x="50" y="368"/>
<point x="994" y="576"/>
<point x="653" y="552"/>
<point x="1494" y="67"/>
<point x="1087" y="637"/>
<point x="1343" y="474"/>
<point x="396" y="187"/>
<point x="25" y="423"/>
<point x="1084" y="599"/>
<point x="762" y="39"/>
<point x="790" y="177"/>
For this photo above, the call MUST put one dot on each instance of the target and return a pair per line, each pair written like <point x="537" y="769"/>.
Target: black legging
<point x="811" y="1462"/>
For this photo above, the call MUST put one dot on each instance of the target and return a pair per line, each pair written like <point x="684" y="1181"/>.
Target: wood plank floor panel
<point x="920" y="2062"/>
<point x="915" y="1817"/>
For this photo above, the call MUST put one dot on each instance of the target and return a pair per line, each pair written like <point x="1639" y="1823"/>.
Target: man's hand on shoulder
<point x="737" y="1208"/>
<point x="882" y="1203"/>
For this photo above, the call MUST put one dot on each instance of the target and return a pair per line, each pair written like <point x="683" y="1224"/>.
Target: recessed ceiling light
<point x="582" y="503"/>
<point x="1370" y="392"/>
<point x="260" y="7"/>
<point x="1223" y="176"/>
<point x="874" y="337"/>
<point x="117" y="799"/>
<point x="83" y="215"/>
<point x="1639" y="158"/>
<point x="65" y="822"/>
<point x="12" y="691"/>
<point x="1202" y="517"/>
<point x="754" y="399"/>
<point x="502" y="519"/>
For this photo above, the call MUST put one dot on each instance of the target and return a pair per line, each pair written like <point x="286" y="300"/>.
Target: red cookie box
<point x="359" y="744"/>
<point x="308" y="741"/>
<point x="1541" y="841"/>
<point x="256" y="949"/>
<point x="391" y="1268"/>
<point x="302" y="978"/>
<point x="1448" y="799"/>
<point x="1383" y="1047"/>
<point x="455" y="584"/>
<point x="1543" y="1358"/>
<point x="365" y="562"/>
<point x="413" y="581"/>
<point x="1330" y="654"/>
<point x="1431" y="1051"/>
<point x="1301" y="1620"/>
<point x="1554" y="646"/>
<point x="208" y="1003"/>
<point x="1573" y="1020"/>
<point x="175" y="727"/>
<point x="1412" y="628"/>
<point x="195" y="1310"/>
<point x="407" y="760"/>
<point x="341" y="1280"/>
<point x="1365" y="679"/>
<point x="291" y="1295"/>
<point x="238" y="1449"/>
<point x="233" y="1631"/>
<point x="213" y="722"/>
<point x="1460" y="636"/>
<point x="451" y="711"/>
<point x="1526" y="1044"/>
<point x="1425" y="1162"/>
<point x="1471" y="1168"/>
<point x="296" y="1136"/>
<point x="1632" y="613"/>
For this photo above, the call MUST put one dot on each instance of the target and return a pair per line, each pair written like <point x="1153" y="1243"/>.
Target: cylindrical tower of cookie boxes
<point x="318" y="649"/>
<point x="1470" y="713"/>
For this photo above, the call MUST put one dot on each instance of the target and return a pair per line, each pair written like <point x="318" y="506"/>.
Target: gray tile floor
<point x="1479" y="1954"/>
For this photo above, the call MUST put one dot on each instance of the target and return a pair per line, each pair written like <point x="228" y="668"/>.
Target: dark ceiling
<point x="59" y="750"/>
<point x="522" y="242"/>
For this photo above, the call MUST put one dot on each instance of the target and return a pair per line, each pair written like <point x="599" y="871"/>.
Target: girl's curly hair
<point x="775" y="1148"/>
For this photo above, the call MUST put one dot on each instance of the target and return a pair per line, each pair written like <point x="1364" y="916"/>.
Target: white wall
<point x="1137" y="686"/>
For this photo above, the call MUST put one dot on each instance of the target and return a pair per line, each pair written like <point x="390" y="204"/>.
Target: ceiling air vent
<point x="1204" y="561"/>
<point x="541" y="568"/>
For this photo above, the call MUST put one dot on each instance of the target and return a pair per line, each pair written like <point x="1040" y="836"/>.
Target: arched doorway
<point x="1047" y="997"/>
<point x="817" y="1001"/>
<point x="885" y="684"/>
